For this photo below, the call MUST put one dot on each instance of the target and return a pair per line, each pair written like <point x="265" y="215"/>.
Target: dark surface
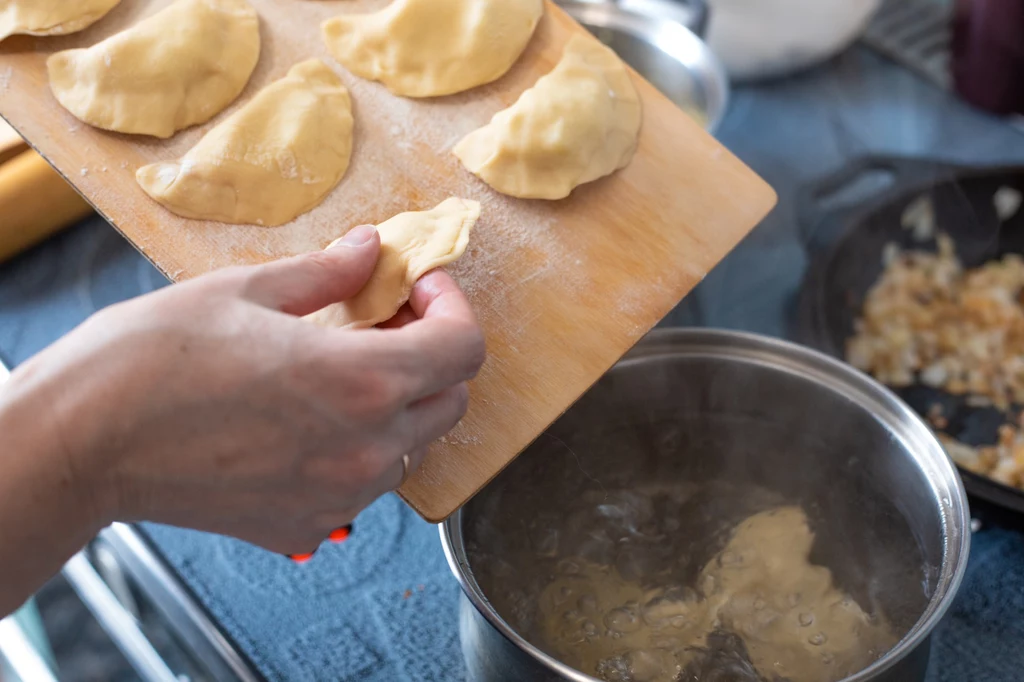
<point x="357" y="611"/>
<point x="846" y="247"/>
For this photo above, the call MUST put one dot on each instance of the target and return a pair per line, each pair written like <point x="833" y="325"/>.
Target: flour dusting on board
<point x="562" y="288"/>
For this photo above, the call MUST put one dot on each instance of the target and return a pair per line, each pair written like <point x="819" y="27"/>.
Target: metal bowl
<point x="734" y="414"/>
<point x="659" y="39"/>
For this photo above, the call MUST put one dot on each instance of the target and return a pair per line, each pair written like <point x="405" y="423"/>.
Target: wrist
<point x="47" y="510"/>
<point x="40" y="447"/>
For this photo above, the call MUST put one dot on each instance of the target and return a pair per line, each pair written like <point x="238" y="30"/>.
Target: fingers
<point x="436" y="295"/>
<point x="404" y="316"/>
<point x="425" y="421"/>
<point x="305" y="284"/>
<point x="447" y="341"/>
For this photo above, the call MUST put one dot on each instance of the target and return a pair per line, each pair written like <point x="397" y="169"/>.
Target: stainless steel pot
<point x="661" y="40"/>
<point x="726" y="411"/>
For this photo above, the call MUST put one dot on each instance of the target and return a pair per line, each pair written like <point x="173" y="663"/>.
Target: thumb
<point x="304" y="284"/>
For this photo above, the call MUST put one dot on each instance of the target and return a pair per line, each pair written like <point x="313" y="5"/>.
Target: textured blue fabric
<point x="383" y="605"/>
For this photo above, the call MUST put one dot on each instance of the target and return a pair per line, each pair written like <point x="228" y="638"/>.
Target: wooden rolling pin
<point x="35" y="202"/>
<point x="11" y="143"/>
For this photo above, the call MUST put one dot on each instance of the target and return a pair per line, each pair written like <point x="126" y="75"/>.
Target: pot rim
<point x="785" y="356"/>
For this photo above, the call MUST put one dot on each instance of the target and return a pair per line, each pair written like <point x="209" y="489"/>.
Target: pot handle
<point x="860" y="186"/>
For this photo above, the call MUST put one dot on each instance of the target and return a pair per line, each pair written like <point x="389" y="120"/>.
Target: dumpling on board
<point x="178" y="68"/>
<point x="427" y="48"/>
<point x="270" y="161"/>
<point x="50" y="17"/>
<point x="412" y="244"/>
<point x="579" y="123"/>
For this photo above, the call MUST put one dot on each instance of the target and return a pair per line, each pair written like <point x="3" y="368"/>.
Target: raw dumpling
<point x="272" y="160"/>
<point x="50" y="17"/>
<point x="578" y="123"/>
<point x="412" y="244"/>
<point x="177" y="68"/>
<point x="426" y="48"/>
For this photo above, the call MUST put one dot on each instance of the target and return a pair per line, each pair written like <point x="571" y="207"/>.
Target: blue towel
<point x="380" y="607"/>
<point x="383" y="606"/>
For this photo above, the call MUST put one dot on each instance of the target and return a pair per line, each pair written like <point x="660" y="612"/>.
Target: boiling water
<point x="622" y="599"/>
<point x="787" y="619"/>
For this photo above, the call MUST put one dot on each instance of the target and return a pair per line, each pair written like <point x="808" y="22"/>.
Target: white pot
<point x="768" y="38"/>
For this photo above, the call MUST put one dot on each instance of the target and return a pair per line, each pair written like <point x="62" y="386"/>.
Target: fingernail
<point x="300" y="558"/>
<point x="339" y="535"/>
<point x="357" y="236"/>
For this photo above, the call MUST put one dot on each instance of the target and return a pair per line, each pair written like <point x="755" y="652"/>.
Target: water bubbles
<point x="625" y="606"/>
<point x="597" y="548"/>
<point x="670" y="609"/>
<point x="613" y="669"/>
<point x="709" y="585"/>
<point x="546" y="543"/>
<point x="667" y="643"/>
<point x="679" y="622"/>
<point x="728" y="558"/>
<point x="568" y="567"/>
<point x="645" y="666"/>
<point x="622" y="620"/>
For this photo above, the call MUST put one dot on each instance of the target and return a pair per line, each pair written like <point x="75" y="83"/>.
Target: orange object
<point x="11" y="143"/>
<point x="340" y="534"/>
<point x="35" y="202"/>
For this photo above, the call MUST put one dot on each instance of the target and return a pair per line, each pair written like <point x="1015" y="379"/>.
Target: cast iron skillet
<point x="845" y="241"/>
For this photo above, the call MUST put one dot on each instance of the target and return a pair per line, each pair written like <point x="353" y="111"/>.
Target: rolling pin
<point x="11" y="143"/>
<point x="35" y="202"/>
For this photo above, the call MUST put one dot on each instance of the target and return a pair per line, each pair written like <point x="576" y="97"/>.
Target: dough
<point x="50" y="17"/>
<point x="272" y="160"/>
<point x="412" y="244"/>
<point x="177" y="68"/>
<point x="578" y="123"/>
<point x="426" y="48"/>
<point x="794" y="622"/>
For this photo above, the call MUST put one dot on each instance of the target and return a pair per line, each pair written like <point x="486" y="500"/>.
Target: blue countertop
<point x="383" y="605"/>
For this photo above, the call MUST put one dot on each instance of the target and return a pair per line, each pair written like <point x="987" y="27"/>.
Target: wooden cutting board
<point x="562" y="289"/>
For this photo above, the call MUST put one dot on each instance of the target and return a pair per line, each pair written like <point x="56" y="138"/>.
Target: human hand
<point x="212" y="405"/>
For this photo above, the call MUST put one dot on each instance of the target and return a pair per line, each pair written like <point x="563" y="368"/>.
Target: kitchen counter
<point x="383" y="605"/>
